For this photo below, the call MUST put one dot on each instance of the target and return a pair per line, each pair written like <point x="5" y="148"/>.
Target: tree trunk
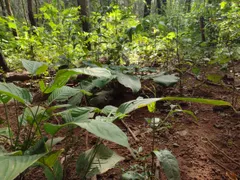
<point x="24" y="11"/>
<point x="161" y="4"/>
<point x="9" y="11"/>
<point x="3" y="8"/>
<point x="202" y="26"/>
<point x="84" y="17"/>
<point x="3" y="63"/>
<point x="188" y="5"/>
<point x="147" y="8"/>
<point x="8" y="7"/>
<point x="30" y="13"/>
<point x="84" y="14"/>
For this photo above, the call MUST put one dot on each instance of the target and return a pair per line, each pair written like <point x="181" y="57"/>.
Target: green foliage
<point x="129" y="81"/>
<point x="166" y="80"/>
<point x="104" y="130"/>
<point x="130" y="106"/>
<point x="12" y="91"/>
<point x="35" y="68"/>
<point x="62" y="94"/>
<point x="12" y="166"/>
<point x="169" y="164"/>
<point x="97" y="160"/>
<point x="55" y="173"/>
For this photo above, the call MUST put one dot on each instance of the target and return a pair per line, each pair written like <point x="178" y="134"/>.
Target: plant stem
<point x="234" y="99"/>
<point x="153" y="147"/>
<point x="19" y="123"/>
<point x="8" y="123"/>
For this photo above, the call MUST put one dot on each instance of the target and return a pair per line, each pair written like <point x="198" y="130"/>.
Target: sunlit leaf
<point x="13" y="91"/>
<point x="34" y="67"/>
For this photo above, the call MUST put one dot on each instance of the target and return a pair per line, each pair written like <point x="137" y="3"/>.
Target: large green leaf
<point x="169" y="164"/>
<point x="105" y="130"/>
<point x="130" y="106"/>
<point x="96" y="161"/>
<point x="76" y="99"/>
<point x="63" y="76"/>
<point x="60" y="80"/>
<point x="52" y="128"/>
<point x="51" y="142"/>
<point x="12" y="166"/>
<point x="109" y="110"/>
<point x="166" y="80"/>
<point x="95" y="71"/>
<point x="129" y="81"/>
<point x="75" y="114"/>
<point x="62" y="94"/>
<point x="102" y="129"/>
<point x="101" y="82"/>
<point x="20" y="94"/>
<point x="198" y="100"/>
<point x="34" y="67"/>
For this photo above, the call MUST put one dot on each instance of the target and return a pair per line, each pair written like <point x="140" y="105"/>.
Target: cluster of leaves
<point x="57" y="40"/>
<point x="35" y="149"/>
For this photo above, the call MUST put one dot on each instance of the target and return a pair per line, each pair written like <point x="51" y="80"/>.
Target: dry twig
<point x="132" y="133"/>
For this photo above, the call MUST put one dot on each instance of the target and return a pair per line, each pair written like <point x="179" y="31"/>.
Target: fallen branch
<point x="210" y="142"/>
<point x="12" y="76"/>
<point x="133" y="135"/>
<point x="226" y="169"/>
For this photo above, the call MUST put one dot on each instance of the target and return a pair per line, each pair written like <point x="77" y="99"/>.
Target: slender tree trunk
<point x="147" y="8"/>
<point x="3" y="63"/>
<point x="3" y="8"/>
<point x="9" y="11"/>
<point x="84" y="14"/>
<point x="24" y="11"/>
<point x="202" y="28"/>
<point x="188" y="5"/>
<point x="8" y="7"/>
<point x="84" y="17"/>
<point x="161" y="6"/>
<point x="37" y="5"/>
<point x="30" y="13"/>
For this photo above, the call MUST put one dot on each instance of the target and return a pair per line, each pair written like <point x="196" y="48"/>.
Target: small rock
<point x="237" y="126"/>
<point x="182" y="133"/>
<point x="175" y="145"/>
<point x="218" y="126"/>
<point x="189" y="164"/>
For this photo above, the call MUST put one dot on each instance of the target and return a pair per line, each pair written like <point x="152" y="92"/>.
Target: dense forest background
<point x="67" y="32"/>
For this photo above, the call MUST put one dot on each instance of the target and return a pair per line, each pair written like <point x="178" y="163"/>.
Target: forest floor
<point x="206" y="150"/>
